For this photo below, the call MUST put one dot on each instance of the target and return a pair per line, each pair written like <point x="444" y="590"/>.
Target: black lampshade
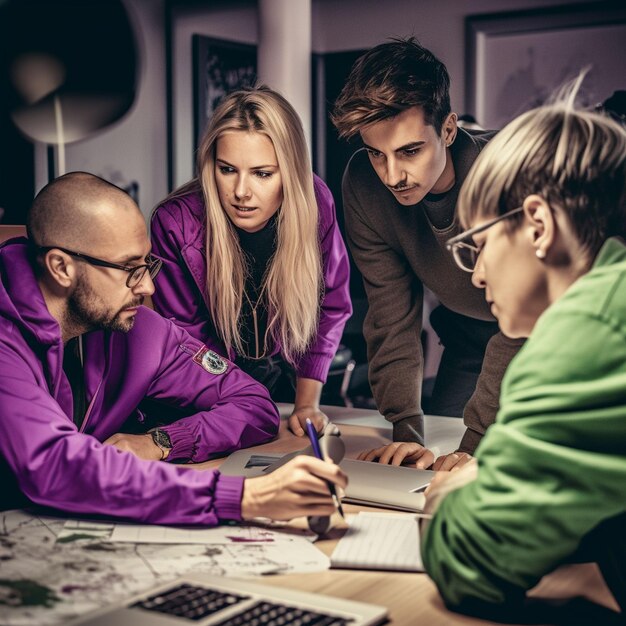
<point x="71" y="58"/>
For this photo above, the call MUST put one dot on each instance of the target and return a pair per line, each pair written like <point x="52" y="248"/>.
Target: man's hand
<point x="452" y="461"/>
<point x="400" y="453"/>
<point x="296" y="489"/>
<point x="297" y="419"/>
<point x="142" y="446"/>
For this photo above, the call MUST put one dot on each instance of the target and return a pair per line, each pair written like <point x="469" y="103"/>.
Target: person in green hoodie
<point x="545" y="205"/>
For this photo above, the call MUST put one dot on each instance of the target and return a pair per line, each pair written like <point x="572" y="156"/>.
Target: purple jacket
<point x="178" y="238"/>
<point x="56" y="464"/>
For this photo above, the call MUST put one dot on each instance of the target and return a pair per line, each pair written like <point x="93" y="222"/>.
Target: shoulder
<point x="183" y="216"/>
<point x="154" y="332"/>
<point x="578" y="341"/>
<point x="359" y="167"/>
<point x="362" y="184"/>
<point x="323" y="194"/>
<point x="325" y="204"/>
<point x="188" y="208"/>
<point x="479" y="138"/>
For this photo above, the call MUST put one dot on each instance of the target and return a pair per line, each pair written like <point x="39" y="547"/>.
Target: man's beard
<point x="86" y="311"/>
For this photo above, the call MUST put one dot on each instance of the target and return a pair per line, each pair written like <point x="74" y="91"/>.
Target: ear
<point x="540" y="225"/>
<point x="449" y="129"/>
<point x="60" y="267"/>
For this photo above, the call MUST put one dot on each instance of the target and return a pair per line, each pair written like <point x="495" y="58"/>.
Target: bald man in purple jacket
<point x="78" y="353"/>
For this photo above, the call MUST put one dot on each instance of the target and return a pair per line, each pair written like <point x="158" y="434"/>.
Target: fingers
<point x="319" y="420"/>
<point x="425" y="460"/>
<point x="398" y="453"/>
<point x="370" y="455"/>
<point x="298" y="488"/>
<point x="449" y="462"/>
<point x="294" y="425"/>
<point x="318" y="471"/>
<point x="298" y="419"/>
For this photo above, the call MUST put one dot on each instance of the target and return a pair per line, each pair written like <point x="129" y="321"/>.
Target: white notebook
<point x="383" y="541"/>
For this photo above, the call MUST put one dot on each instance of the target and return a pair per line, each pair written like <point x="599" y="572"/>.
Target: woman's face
<point x="513" y="278"/>
<point x="248" y="179"/>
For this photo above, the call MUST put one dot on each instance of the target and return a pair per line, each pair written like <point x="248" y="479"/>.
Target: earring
<point x="541" y="254"/>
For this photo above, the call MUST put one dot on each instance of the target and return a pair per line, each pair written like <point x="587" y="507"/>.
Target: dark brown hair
<point x="389" y="79"/>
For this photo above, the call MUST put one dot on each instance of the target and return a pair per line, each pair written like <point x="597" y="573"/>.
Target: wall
<point x="237" y="22"/>
<point x="438" y="24"/>
<point x="134" y="149"/>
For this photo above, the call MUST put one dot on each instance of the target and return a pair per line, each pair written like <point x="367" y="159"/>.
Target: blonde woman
<point x="254" y="264"/>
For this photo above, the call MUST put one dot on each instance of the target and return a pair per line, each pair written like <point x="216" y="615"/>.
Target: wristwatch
<point x="163" y="441"/>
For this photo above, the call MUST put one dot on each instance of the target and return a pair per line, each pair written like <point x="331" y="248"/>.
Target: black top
<point x="73" y="368"/>
<point x="258" y="249"/>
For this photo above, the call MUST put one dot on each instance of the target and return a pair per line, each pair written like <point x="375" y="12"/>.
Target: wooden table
<point x="572" y="594"/>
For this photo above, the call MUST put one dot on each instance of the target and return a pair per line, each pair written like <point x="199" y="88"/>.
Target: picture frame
<point x="219" y="67"/>
<point x="518" y="60"/>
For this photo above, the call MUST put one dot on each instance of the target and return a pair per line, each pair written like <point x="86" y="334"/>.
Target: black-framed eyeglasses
<point x="136" y="273"/>
<point x="464" y="251"/>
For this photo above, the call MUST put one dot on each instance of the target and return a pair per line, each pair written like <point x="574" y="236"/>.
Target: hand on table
<point x="446" y="481"/>
<point x="298" y="417"/>
<point x="400" y="453"/>
<point x="142" y="446"/>
<point x="298" y="488"/>
<point x="451" y="462"/>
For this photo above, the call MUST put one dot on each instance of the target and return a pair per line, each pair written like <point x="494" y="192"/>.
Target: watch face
<point x="161" y="438"/>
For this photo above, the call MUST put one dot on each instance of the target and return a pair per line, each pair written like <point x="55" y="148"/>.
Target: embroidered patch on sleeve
<point x="210" y="361"/>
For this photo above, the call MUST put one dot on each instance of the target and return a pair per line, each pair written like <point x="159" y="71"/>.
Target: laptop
<point x="371" y="484"/>
<point x="201" y="600"/>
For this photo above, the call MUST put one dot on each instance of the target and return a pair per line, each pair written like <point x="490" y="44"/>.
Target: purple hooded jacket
<point x="55" y="464"/>
<point x="178" y="234"/>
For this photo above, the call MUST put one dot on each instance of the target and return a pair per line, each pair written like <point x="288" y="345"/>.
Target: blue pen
<point x="315" y="444"/>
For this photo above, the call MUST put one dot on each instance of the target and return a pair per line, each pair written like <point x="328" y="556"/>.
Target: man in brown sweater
<point x="399" y="196"/>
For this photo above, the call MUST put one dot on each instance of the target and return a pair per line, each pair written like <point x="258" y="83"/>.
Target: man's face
<point x="87" y="308"/>
<point x="408" y="155"/>
<point x="101" y="299"/>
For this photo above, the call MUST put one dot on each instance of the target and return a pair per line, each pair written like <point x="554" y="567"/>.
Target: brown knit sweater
<point x="398" y="250"/>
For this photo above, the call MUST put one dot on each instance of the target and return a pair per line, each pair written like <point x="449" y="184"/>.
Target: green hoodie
<point x="553" y="466"/>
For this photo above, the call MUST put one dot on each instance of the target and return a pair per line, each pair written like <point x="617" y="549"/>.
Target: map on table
<point x="53" y="569"/>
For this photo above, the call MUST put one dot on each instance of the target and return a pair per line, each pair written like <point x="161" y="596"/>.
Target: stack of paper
<point x="383" y="541"/>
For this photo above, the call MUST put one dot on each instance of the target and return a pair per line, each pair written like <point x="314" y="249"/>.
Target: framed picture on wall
<point x="517" y="61"/>
<point x="219" y="67"/>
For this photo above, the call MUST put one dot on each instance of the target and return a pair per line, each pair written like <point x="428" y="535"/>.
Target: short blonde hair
<point x="574" y="159"/>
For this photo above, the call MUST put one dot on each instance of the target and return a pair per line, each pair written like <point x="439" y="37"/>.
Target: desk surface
<point x="568" y="595"/>
<point x="411" y="598"/>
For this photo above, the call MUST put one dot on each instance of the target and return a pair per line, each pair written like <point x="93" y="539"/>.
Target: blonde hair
<point x="293" y="281"/>
<point x="574" y="159"/>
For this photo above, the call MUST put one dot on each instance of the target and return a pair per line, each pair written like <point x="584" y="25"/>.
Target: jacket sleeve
<point x="232" y="409"/>
<point x="481" y="409"/>
<point x="177" y="296"/>
<point x="57" y="466"/>
<point x="393" y="323"/>
<point x="336" y="306"/>
<point x="550" y="469"/>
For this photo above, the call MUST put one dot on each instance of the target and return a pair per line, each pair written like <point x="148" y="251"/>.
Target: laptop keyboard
<point x="189" y="601"/>
<point x="269" y="614"/>
<point x="196" y="603"/>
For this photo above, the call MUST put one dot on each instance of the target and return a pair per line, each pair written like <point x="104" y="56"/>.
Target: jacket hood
<point x="21" y="300"/>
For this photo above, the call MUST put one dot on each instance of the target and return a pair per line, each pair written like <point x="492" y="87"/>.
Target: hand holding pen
<point x="315" y="444"/>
